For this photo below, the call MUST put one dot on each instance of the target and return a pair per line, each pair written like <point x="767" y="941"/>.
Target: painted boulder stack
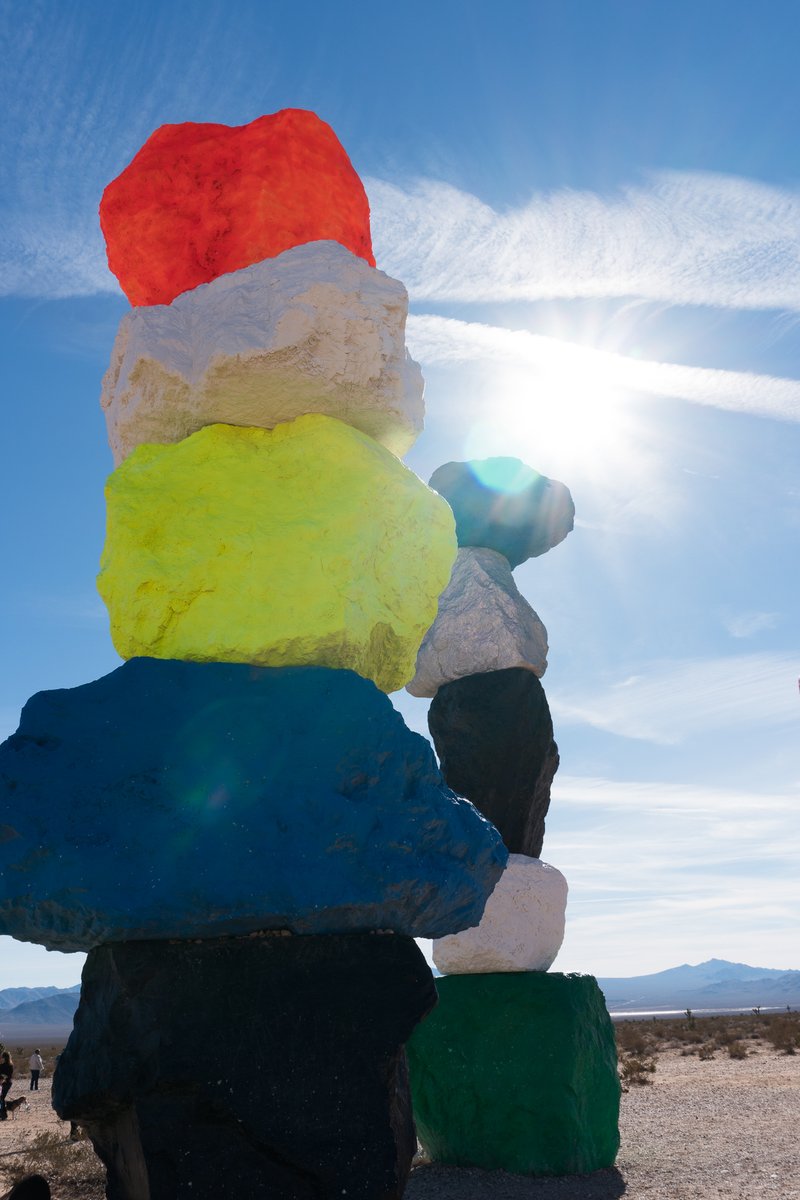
<point x="244" y="834"/>
<point x="516" y="1067"/>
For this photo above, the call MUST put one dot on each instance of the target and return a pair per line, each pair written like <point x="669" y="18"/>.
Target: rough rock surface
<point x="483" y="624"/>
<point x="229" y="1069"/>
<point x="517" y="1072"/>
<point x="173" y="799"/>
<point x="305" y="544"/>
<point x="494" y="737"/>
<point x="522" y="926"/>
<point x="505" y="505"/>
<point x="313" y="330"/>
<point x="199" y="200"/>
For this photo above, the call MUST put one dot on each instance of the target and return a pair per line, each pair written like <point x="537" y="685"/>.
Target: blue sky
<point x="596" y="211"/>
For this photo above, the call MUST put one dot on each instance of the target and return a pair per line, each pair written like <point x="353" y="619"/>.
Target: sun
<point x="567" y="408"/>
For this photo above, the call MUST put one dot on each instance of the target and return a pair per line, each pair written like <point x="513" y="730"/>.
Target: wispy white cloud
<point x="80" y="96"/>
<point x="40" y="257"/>
<point x="677" y="799"/>
<point x="444" y="341"/>
<point x="670" y="702"/>
<point x="748" y="624"/>
<point x="680" y="238"/>
<point x="662" y="873"/>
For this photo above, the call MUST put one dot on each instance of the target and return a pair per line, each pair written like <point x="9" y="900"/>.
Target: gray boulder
<point x="484" y="623"/>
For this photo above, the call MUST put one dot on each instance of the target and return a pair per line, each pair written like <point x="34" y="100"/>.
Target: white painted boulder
<point x="484" y="623"/>
<point x="314" y="330"/>
<point x="522" y="927"/>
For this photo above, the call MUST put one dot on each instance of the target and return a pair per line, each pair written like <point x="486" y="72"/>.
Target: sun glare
<point x="569" y="411"/>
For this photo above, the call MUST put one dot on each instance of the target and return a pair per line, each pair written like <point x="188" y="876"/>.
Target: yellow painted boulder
<point x="304" y="544"/>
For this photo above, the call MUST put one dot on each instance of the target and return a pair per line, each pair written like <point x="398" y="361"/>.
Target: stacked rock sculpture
<point x="516" y="1068"/>
<point x="236" y="824"/>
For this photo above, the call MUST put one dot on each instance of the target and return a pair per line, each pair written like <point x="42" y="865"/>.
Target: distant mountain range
<point x="715" y="984"/>
<point x="37" y="1006"/>
<point x="10" y="997"/>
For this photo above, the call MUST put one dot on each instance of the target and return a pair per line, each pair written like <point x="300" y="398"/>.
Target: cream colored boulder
<point x="484" y="624"/>
<point x="522" y="927"/>
<point x="315" y="330"/>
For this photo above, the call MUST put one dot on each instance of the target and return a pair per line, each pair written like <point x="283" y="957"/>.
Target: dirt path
<point x="717" y="1130"/>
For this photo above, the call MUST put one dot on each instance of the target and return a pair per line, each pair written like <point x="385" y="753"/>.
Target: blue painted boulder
<point x="177" y="800"/>
<point x="505" y="505"/>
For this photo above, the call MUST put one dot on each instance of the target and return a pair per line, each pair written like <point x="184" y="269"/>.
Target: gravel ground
<point x="702" y="1131"/>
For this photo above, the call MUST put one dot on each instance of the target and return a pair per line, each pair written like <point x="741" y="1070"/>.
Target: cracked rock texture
<point x="230" y="1069"/>
<point x="313" y="330"/>
<point x="305" y="544"/>
<point x="181" y="800"/>
<point x="522" y="926"/>
<point x="484" y="623"/>
<point x="505" y="505"/>
<point x="200" y="199"/>
<point x="494" y="737"/>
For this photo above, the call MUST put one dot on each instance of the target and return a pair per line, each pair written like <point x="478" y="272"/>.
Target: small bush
<point x="784" y="1034"/>
<point x="636" y="1071"/>
<point x="737" y="1050"/>
<point x="631" y="1038"/>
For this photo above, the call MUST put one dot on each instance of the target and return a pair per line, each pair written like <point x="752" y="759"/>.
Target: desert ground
<point x="704" y="1125"/>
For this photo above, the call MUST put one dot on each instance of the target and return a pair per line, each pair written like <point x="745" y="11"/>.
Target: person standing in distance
<point x="36" y="1067"/>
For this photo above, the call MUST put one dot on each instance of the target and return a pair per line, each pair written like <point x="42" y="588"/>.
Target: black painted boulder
<point x="494" y="737"/>
<point x="178" y="799"/>
<point x="32" y="1187"/>
<point x="505" y="505"/>
<point x="234" y="1068"/>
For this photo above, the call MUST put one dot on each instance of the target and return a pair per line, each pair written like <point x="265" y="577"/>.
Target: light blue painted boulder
<point x="177" y="800"/>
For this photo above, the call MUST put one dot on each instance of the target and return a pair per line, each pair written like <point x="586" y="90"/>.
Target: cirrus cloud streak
<point x="658" y="874"/>
<point x="445" y="341"/>
<point x="681" y="238"/>
<point x="670" y="702"/>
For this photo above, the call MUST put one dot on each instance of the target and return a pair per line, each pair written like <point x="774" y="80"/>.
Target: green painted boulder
<point x="517" y="1072"/>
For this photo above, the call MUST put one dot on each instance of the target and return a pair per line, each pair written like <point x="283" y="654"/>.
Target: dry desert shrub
<point x="72" y="1169"/>
<point x="636" y="1071"/>
<point x="701" y="1036"/>
<point x="784" y="1033"/>
<point x="737" y="1050"/>
<point x="632" y="1038"/>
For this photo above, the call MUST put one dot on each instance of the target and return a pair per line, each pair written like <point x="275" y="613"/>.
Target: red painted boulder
<point x="200" y="200"/>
